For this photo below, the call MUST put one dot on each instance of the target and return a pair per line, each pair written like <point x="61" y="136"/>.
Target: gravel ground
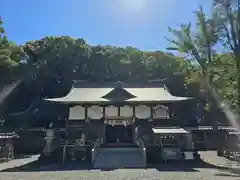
<point x="220" y="168"/>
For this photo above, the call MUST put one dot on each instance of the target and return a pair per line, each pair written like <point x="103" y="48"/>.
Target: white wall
<point x="126" y="111"/>
<point x="142" y="112"/>
<point x="76" y="113"/>
<point x="96" y="112"/>
<point x="111" y="111"/>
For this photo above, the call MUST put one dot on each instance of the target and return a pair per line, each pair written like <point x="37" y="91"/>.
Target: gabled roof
<point x="118" y="94"/>
<point x="107" y="93"/>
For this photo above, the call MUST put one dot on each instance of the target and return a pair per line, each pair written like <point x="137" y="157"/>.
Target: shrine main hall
<point x="122" y="115"/>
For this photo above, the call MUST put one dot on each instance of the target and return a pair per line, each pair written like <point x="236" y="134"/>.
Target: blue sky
<point x="138" y="23"/>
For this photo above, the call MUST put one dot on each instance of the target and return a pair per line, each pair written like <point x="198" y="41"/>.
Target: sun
<point x="133" y="5"/>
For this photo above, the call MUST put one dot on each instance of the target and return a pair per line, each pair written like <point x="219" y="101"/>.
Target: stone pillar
<point x="49" y="137"/>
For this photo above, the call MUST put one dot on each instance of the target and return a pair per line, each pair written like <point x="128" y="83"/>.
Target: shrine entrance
<point x="119" y="134"/>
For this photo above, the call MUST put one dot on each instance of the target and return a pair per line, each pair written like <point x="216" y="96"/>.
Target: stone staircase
<point x="119" y="158"/>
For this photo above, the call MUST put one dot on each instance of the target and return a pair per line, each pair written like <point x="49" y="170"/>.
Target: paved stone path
<point x="18" y="162"/>
<point x="135" y="174"/>
<point x="223" y="170"/>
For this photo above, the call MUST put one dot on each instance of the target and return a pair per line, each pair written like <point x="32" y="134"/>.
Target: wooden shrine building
<point x="117" y="115"/>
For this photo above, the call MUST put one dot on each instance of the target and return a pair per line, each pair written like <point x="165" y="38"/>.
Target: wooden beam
<point x="134" y="111"/>
<point x="86" y="112"/>
<point x="151" y="109"/>
<point x="104" y="111"/>
<point x="119" y="109"/>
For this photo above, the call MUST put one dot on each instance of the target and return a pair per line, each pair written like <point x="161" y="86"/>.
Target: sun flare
<point x="133" y="5"/>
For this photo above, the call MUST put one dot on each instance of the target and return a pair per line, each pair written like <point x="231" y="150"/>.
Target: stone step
<point x="119" y="146"/>
<point x="119" y="158"/>
<point x="119" y="164"/>
<point x="122" y="149"/>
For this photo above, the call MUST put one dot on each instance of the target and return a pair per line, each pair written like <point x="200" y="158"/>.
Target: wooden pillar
<point x="86" y="127"/>
<point x="104" y="128"/>
<point x="66" y="141"/>
<point x="134" y="112"/>
<point x="169" y="112"/>
<point x="104" y="111"/>
<point x="86" y="112"/>
<point x="134" y="125"/>
<point x="119" y="109"/>
<point x="151" y="109"/>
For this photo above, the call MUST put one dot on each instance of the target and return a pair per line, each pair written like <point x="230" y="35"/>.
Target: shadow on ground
<point x="38" y="166"/>
<point x="186" y="166"/>
<point x="227" y="175"/>
<point x="233" y="158"/>
<point x="234" y="172"/>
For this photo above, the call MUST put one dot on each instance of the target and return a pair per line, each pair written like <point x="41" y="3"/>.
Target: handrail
<point x="96" y="145"/>
<point x="142" y="149"/>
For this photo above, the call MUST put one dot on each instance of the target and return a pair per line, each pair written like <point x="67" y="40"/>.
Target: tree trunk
<point x="214" y="102"/>
<point x="238" y="91"/>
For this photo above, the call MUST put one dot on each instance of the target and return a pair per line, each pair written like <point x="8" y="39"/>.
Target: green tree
<point x="224" y="73"/>
<point x="198" y="49"/>
<point x="5" y="53"/>
<point x="56" y="57"/>
<point x="228" y="20"/>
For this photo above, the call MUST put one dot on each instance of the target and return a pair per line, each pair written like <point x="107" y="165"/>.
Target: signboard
<point x="170" y="153"/>
<point x="160" y="112"/>
<point x="114" y="122"/>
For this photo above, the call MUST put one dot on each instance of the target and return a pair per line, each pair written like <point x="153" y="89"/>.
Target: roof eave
<point x="62" y="101"/>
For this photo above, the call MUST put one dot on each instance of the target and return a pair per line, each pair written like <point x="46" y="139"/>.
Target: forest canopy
<point x="61" y="59"/>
